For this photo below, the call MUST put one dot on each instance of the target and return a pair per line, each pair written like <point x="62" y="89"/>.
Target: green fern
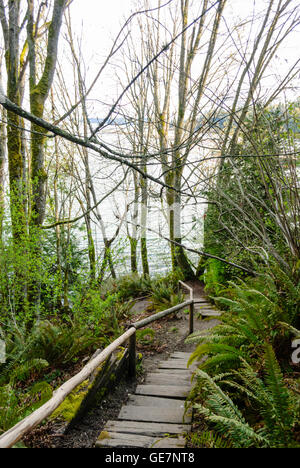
<point x="15" y="406"/>
<point x="145" y="336"/>
<point x="23" y="371"/>
<point x="227" y="419"/>
<point x="279" y="416"/>
<point x="9" y="408"/>
<point x="240" y="380"/>
<point x="164" y="297"/>
<point x="220" y="356"/>
<point x="270" y="398"/>
<point x="209" y="439"/>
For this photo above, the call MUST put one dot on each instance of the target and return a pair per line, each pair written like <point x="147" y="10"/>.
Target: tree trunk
<point x="133" y="254"/>
<point x="144" y="212"/>
<point x="2" y="175"/>
<point x="133" y="238"/>
<point x="38" y="95"/>
<point x="10" y="29"/>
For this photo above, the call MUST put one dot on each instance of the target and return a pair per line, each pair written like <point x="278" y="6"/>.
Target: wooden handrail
<point x="152" y="318"/>
<point x="164" y="313"/>
<point x="147" y="321"/>
<point x="191" y="316"/>
<point x="13" y="435"/>
<point x="187" y="287"/>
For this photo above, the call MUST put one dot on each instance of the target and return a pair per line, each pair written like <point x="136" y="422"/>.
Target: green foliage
<point x="33" y="284"/>
<point x="165" y="292"/>
<point x="23" y="372"/>
<point x="48" y="344"/>
<point x="145" y="336"/>
<point x="223" y="414"/>
<point x="15" y="405"/>
<point x="251" y="219"/>
<point x="164" y="297"/>
<point x="254" y="312"/>
<point x="214" y="276"/>
<point x="268" y="397"/>
<point x="240" y="387"/>
<point x="128" y="287"/>
<point x="41" y="392"/>
<point x="133" y="286"/>
<point x="59" y="343"/>
<point x="102" y="316"/>
<point x="9" y="408"/>
<point x="209" y="439"/>
<point x="70" y="406"/>
<point x="279" y="408"/>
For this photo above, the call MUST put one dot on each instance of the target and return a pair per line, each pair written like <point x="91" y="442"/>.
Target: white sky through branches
<point x="98" y="22"/>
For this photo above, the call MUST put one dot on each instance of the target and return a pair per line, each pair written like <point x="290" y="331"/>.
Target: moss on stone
<point x="70" y="406"/>
<point x="120" y="354"/>
<point x="104" y="435"/>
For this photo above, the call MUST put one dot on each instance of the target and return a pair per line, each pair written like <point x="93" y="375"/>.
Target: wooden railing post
<point x="132" y="357"/>
<point x="191" y="319"/>
<point x="191" y="314"/>
<point x="13" y="435"/>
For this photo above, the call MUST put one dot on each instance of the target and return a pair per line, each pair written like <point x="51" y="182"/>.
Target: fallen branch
<point x="198" y="252"/>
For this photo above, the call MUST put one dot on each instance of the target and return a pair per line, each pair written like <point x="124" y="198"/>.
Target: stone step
<point x="120" y="440"/>
<point x="164" y="390"/>
<point x="167" y="379"/>
<point x="152" y="414"/>
<point x="156" y="416"/>
<point x="156" y="402"/>
<point x="175" y="364"/>
<point x="146" y="428"/>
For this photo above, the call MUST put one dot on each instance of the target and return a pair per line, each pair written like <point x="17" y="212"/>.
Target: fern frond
<point x="241" y="434"/>
<point x="209" y="439"/>
<point x="290" y="328"/>
<point x="23" y="371"/>
<point x="278" y="390"/>
<point x="221" y="361"/>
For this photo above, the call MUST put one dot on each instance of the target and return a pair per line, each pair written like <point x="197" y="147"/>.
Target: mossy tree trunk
<point x="144" y="213"/>
<point x="11" y="33"/>
<point x="15" y="65"/>
<point x="178" y="255"/>
<point x="177" y="127"/>
<point x="39" y="91"/>
<point x="2" y="174"/>
<point x="133" y="236"/>
<point x="133" y="254"/>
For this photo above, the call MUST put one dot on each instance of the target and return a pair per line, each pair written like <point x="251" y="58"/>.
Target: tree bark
<point x="38" y="95"/>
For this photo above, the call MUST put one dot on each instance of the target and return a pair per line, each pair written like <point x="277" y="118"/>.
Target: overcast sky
<point x="100" y="21"/>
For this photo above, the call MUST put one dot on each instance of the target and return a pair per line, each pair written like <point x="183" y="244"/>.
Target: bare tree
<point x="177" y="126"/>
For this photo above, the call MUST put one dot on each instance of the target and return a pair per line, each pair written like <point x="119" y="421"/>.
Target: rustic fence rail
<point x="16" y="433"/>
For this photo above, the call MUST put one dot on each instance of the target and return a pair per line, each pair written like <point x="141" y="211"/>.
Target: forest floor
<point x="170" y="335"/>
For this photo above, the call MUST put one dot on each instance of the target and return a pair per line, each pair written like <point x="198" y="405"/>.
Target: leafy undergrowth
<point x="168" y="335"/>
<point x="54" y="349"/>
<point x="246" y="392"/>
